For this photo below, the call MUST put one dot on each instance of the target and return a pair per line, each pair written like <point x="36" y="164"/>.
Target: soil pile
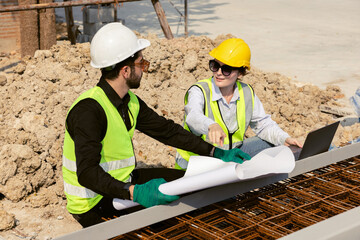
<point x="38" y="91"/>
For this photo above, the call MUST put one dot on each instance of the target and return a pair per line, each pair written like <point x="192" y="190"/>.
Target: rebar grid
<point x="270" y="212"/>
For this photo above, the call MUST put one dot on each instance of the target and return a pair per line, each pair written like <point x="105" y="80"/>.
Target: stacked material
<point x="270" y="212"/>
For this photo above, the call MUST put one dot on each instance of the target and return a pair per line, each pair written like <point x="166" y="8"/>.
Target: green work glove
<point x="148" y="194"/>
<point x="232" y="155"/>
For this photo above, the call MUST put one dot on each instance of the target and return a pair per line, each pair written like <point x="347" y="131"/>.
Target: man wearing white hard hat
<point x="98" y="155"/>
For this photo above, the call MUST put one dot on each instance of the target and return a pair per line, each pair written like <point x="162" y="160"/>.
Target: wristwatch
<point x="212" y="152"/>
<point x="127" y="188"/>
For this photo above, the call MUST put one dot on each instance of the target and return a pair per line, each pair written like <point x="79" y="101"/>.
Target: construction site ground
<point x="37" y="92"/>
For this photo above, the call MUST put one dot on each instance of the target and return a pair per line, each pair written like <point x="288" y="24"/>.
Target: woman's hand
<point x="216" y="134"/>
<point x="292" y="141"/>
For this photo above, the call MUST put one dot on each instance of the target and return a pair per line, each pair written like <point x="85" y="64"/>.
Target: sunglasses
<point x="144" y="64"/>
<point x="225" y="69"/>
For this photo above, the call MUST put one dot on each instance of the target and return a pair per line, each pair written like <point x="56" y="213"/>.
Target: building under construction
<point x="319" y="199"/>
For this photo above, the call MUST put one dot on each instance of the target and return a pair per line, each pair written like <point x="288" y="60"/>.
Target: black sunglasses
<point x="225" y="69"/>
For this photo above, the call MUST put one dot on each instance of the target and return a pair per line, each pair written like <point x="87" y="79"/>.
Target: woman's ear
<point x="239" y="75"/>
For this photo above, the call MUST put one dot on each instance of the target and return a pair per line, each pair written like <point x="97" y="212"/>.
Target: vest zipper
<point x="230" y="139"/>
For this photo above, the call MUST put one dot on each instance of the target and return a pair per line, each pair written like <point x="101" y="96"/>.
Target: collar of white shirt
<point x="216" y="94"/>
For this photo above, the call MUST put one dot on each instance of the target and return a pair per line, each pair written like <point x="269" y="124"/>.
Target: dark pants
<point x="105" y="210"/>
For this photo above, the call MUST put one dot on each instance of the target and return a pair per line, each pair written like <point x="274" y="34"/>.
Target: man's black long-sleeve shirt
<point x="87" y="125"/>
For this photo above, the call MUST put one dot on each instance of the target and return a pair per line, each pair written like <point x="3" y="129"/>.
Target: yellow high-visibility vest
<point x="117" y="154"/>
<point x="244" y="110"/>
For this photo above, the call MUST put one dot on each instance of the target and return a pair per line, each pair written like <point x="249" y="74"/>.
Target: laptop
<point x="317" y="141"/>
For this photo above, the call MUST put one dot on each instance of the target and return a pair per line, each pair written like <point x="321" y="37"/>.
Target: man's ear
<point x="125" y="71"/>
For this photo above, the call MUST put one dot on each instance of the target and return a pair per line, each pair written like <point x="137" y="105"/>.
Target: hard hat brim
<point x="143" y="43"/>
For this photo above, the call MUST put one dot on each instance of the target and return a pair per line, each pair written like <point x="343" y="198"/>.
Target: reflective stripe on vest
<point x="107" y="166"/>
<point x="79" y="191"/>
<point x="117" y="161"/>
<point x="244" y="113"/>
<point x="87" y="193"/>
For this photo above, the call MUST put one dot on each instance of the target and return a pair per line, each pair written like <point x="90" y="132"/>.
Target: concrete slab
<point x="315" y="42"/>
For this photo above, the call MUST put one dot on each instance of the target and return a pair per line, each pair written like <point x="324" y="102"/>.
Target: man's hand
<point x="148" y="194"/>
<point x="216" y="134"/>
<point x="232" y="155"/>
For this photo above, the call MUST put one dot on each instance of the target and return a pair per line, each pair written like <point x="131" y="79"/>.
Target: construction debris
<point x="7" y="220"/>
<point x="337" y="111"/>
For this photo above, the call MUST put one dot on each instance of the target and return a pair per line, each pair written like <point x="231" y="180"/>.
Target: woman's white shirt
<point x="261" y="123"/>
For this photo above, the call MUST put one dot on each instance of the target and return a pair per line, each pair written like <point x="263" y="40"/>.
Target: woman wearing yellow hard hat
<point x="221" y="108"/>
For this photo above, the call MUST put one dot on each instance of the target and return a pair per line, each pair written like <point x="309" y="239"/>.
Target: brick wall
<point x="27" y="31"/>
<point x="9" y="28"/>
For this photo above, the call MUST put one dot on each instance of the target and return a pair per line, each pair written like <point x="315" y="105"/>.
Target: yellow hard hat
<point x="233" y="52"/>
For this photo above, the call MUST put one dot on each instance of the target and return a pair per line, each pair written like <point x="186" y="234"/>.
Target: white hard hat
<point x="114" y="43"/>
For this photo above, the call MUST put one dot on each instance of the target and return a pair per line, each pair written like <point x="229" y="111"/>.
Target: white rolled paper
<point x="206" y="172"/>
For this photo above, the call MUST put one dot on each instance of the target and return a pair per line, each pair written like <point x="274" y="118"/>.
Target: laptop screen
<point x="318" y="141"/>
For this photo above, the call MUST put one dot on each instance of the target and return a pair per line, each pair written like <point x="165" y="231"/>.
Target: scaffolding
<point x="67" y="4"/>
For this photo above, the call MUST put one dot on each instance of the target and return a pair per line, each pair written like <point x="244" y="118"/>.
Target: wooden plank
<point x="70" y="24"/>
<point x="162" y="19"/>
<point x="25" y="7"/>
<point x="29" y="30"/>
<point x="335" y="110"/>
<point x="47" y="28"/>
<point x="186" y="18"/>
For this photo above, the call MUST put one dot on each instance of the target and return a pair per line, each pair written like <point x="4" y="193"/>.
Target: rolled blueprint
<point x="206" y="172"/>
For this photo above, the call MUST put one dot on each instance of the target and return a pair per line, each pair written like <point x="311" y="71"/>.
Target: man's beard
<point x="133" y="81"/>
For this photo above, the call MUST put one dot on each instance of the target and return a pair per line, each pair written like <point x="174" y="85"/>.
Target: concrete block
<point x="81" y="38"/>
<point x="101" y="14"/>
<point x="92" y="28"/>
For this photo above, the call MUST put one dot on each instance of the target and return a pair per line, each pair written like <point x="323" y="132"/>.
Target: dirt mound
<point x="38" y="91"/>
